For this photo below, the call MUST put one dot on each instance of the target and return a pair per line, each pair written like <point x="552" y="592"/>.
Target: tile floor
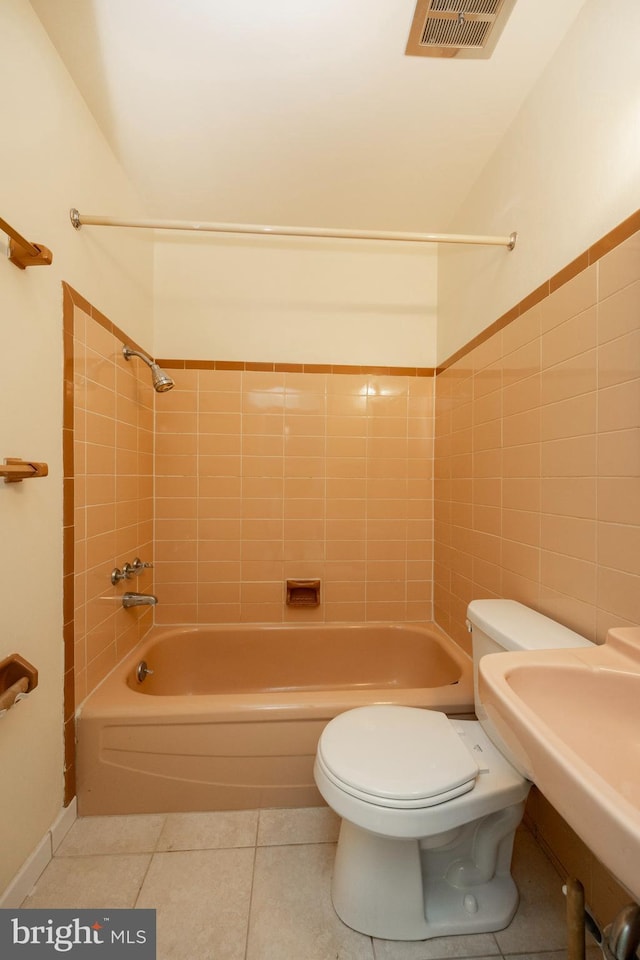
<point x="254" y="885"/>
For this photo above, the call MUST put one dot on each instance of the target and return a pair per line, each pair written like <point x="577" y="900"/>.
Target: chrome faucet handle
<point x="138" y="566"/>
<point x="125" y="574"/>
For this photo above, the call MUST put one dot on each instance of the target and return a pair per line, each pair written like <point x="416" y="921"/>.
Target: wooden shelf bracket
<point x="18" y="678"/>
<point x="22" y="253"/>
<point x="14" y="469"/>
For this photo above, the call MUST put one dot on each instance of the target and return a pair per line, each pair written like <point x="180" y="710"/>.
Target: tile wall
<point x="109" y="479"/>
<point x="537" y="454"/>
<point x="267" y="475"/>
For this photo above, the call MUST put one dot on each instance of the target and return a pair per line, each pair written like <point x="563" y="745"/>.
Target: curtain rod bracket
<point x="77" y="220"/>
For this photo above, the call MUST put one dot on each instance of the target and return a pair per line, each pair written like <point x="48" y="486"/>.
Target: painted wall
<point x="566" y="173"/>
<point x="295" y="301"/>
<point x="53" y="157"/>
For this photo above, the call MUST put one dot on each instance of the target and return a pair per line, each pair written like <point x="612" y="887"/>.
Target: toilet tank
<point x="499" y="625"/>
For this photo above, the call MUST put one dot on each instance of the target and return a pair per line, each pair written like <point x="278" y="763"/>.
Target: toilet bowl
<point x="429" y="804"/>
<point x="429" y="817"/>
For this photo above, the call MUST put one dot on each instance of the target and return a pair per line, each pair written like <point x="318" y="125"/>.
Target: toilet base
<point x="397" y="889"/>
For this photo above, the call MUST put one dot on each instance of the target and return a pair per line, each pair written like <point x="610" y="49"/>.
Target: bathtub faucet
<point x="133" y="599"/>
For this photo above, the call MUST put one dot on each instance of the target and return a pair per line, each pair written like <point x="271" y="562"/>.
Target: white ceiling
<point x="302" y="112"/>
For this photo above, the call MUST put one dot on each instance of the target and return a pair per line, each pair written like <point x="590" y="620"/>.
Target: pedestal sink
<point x="571" y="718"/>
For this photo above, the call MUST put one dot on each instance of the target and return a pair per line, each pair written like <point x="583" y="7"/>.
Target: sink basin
<point x="569" y="720"/>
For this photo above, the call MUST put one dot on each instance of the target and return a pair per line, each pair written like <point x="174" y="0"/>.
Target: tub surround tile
<point x="110" y="409"/>
<point x="333" y="447"/>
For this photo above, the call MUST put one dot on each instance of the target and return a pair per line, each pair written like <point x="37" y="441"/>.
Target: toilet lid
<point x="397" y="756"/>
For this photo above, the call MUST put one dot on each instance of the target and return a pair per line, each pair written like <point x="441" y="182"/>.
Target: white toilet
<point x="429" y="805"/>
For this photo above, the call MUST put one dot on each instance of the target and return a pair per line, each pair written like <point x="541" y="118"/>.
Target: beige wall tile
<point x="619" y="593"/>
<point x="568" y="575"/>
<point x="572" y="298"/>
<point x="570" y="378"/>
<point x="569" y="535"/>
<point x="619" y="546"/>
<point x="619" y="453"/>
<point x="618" y="360"/>
<point x="619" y="500"/>
<point x="565" y="460"/>
<point x="620" y="313"/>
<point x="619" y="406"/>
<point x="570" y="457"/>
<point x="620" y="267"/>
<point x="568" y="339"/>
<point x="521" y="526"/>
<point x="573" y="417"/>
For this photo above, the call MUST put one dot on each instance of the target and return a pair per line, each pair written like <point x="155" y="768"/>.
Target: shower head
<point x="161" y="380"/>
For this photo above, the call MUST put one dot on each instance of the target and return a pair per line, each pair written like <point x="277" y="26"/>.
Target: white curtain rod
<point x="81" y="219"/>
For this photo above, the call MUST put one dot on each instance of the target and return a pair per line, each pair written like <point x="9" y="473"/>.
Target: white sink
<point x="570" y="720"/>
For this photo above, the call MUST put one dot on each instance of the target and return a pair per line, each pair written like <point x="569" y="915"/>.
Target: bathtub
<point x="230" y="716"/>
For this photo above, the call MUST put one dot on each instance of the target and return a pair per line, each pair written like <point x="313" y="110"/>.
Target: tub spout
<point x="133" y="599"/>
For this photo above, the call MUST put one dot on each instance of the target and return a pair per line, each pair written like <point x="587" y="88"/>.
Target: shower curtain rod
<point x="81" y="219"/>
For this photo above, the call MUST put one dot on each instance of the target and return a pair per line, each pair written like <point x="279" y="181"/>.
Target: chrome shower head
<point x="161" y="380"/>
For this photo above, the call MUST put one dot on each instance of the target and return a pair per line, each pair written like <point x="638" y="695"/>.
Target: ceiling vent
<point x="457" y="28"/>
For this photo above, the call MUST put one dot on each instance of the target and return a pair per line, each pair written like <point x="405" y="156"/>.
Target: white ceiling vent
<point x="457" y="28"/>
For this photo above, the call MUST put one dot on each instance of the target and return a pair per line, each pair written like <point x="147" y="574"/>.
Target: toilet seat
<point x="398" y="757"/>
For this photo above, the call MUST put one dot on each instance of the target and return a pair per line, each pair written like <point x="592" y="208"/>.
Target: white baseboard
<point x="27" y="876"/>
<point x="63" y="823"/>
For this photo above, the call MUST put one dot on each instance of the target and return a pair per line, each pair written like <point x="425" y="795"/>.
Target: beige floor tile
<point x="97" y="835"/>
<point x="202" y="898"/>
<point x="87" y="882"/>
<point x="303" y="825"/>
<point x="292" y="915"/>
<point x="481" y="945"/>
<point x="540" y="922"/>
<point x="209" y="831"/>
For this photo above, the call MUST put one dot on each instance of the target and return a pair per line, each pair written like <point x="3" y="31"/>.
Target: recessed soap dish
<point x="303" y="593"/>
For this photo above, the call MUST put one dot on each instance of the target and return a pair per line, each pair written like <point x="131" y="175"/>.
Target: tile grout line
<point x="253" y="875"/>
<point x="153" y="853"/>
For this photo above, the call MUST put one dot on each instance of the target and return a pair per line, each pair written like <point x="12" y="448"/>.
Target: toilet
<point x="430" y="804"/>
